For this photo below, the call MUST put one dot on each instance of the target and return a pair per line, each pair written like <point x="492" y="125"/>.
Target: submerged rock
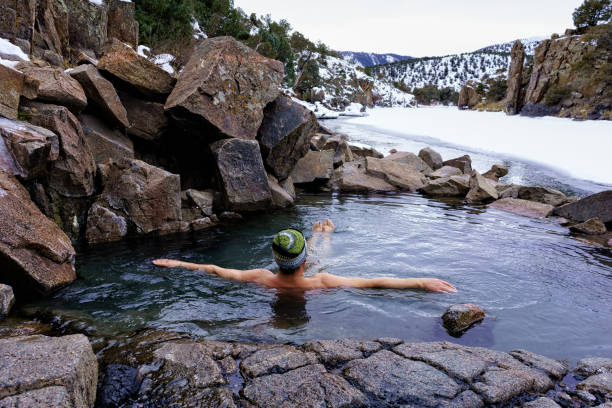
<point x="525" y="208"/>
<point x="458" y="318"/>
<point x="284" y="135"/>
<point x="227" y="85"/>
<point x="36" y="254"/>
<point x="593" y="226"/>
<point x="7" y="300"/>
<point x="51" y="371"/>
<point x="242" y="175"/>
<point x="120" y="383"/>
<point x="597" y="205"/>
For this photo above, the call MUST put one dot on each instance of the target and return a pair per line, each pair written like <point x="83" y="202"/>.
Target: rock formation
<point x="468" y="98"/>
<point x="227" y="85"/>
<point x="514" y="100"/>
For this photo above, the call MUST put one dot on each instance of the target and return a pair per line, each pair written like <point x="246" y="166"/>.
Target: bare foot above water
<point x="324" y="226"/>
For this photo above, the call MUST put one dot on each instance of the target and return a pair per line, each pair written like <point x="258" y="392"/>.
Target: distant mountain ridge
<point x="453" y="71"/>
<point x="369" y="59"/>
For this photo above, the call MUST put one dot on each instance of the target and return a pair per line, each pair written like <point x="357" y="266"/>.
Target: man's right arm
<point x="252" y="275"/>
<point x="434" y="285"/>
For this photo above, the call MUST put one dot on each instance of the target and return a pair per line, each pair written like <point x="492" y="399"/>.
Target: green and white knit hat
<point x="289" y="248"/>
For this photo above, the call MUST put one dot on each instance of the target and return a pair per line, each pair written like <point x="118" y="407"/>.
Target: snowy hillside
<point x="454" y="70"/>
<point x="451" y="71"/>
<point x="530" y="45"/>
<point x="368" y="59"/>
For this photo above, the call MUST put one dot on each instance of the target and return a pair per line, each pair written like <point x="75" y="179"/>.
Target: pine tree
<point x="592" y="12"/>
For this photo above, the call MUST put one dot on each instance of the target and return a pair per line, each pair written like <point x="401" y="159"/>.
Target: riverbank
<point x="578" y="149"/>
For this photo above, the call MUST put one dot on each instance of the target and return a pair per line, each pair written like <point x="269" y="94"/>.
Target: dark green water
<point x="543" y="289"/>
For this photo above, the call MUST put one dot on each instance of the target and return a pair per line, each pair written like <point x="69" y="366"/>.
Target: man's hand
<point x="168" y="263"/>
<point x="437" y="285"/>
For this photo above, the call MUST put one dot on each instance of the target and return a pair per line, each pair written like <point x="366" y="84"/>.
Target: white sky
<point x="417" y="27"/>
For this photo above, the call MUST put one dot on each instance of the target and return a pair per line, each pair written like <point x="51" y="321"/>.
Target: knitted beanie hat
<point x="289" y="248"/>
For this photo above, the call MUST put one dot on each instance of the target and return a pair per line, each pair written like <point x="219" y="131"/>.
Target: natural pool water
<point x="543" y="289"/>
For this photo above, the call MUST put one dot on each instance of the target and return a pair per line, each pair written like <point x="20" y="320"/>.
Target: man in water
<point x="289" y="248"/>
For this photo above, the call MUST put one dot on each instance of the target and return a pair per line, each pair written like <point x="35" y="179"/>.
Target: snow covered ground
<point x="580" y="149"/>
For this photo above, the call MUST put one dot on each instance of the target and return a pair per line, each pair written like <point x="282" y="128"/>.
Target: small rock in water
<point x="392" y="151"/>
<point x="458" y="318"/>
<point x="7" y="300"/>
<point x="594" y="226"/>
<point x="120" y="383"/>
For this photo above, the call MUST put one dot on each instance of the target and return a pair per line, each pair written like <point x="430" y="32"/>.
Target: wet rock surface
<point x="523" y="207"/>
<point x="597" y="205"/>
<point x="182" y="372"/>
<point x="48" y="371"/>
<point x="453" y="186"/>
<point x="594" y="226"/>
<point x="458" y="318"/>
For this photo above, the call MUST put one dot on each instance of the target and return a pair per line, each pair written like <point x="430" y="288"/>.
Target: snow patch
<point x="197" y="31"/>
<point x="97" y="2"/>
<point x="580" y="148"/>
<point x="9" y="49"/>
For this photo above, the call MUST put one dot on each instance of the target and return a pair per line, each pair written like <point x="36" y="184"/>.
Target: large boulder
<point x="105" y="142"/>
<point x="514" y="99"/>
<point x="123" y="63"/>
<point x="402" y="175"/>
<point x="315" y="167"/>
<point x="227" y="85"/>
<point x="481" y="190"/>
<point x="284" y="135"/>
<point x="463" y="163"/>
<point x="105" y="225"/>
<point x="56" y="86"/>
<point x="597" y="205"/>
<point x="11" y="86"/>
<point x="411" y="160"/>
<point x="121" y="22"/>
<point x="343" y="155"/>
<point x="26" y="150"/>
<point x="242" y="175"/>
<point x="453" y="186"/>
<point x="72" y="174"/>
<point x="468" y="98"/>
<point x="35" y="254"/>
<point x="148" y="120"/>
<point x="281" y="198"/>
<point x="146" y="197"/>
<point x="87" y="26"/>
<point x="431" y="157"/>
<point x="102" y="95"/>
<point x="17" y="22"/>
<point x="525" y="208"/>
<point x="353" y="178"/>
<point x="40" y="371"/>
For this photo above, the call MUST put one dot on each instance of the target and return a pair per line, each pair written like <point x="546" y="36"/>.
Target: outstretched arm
<point x="434" y="285"/>
<point x="235" y="274"/>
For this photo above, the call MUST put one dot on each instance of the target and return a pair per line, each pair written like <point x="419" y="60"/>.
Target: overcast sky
<point x="418" y="27"/>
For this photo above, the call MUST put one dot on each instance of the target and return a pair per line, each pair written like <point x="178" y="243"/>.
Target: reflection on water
<point x="543" y="290"/>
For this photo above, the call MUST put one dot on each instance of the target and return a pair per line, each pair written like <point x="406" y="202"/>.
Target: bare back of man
<point x="297" y="280"/>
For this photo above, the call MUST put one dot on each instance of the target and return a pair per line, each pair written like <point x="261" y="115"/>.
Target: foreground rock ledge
<point x="179" y="371"/>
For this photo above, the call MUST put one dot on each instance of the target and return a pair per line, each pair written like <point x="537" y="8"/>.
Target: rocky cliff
<point x="570" y="76"/>
<point x="98" y="143"/>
